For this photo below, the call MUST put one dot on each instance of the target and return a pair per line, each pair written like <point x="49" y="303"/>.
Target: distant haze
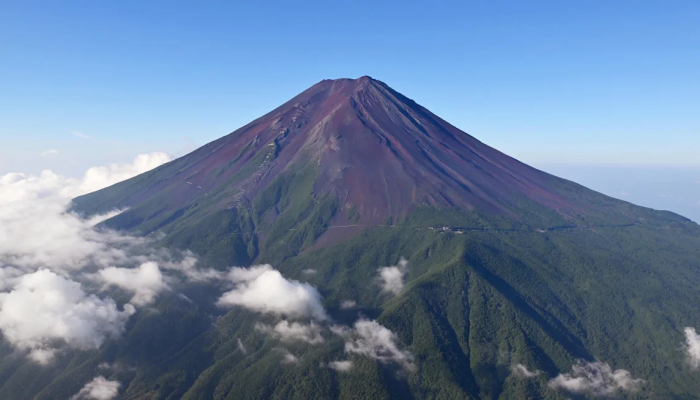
<point x="674" y="189"/>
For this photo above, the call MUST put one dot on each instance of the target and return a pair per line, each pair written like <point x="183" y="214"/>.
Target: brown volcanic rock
<point x="375" y="149"/>
<point x="379" y="154"/>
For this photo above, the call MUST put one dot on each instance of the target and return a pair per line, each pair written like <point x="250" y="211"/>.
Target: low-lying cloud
<point x="288" y="357"/>
<point x="692" y="342"/>
<point x="44" y="310"/>
<point x="370" y="339"/>
<point x="145" y="281"/>
<point x="595" y="379"/>
<point x="100" y="177"/>
<point x="46" y="252"/>
<point x="295" y="331"/>
<point x="392" y="277"/>
<point x="523" y="372"/>
<point x="36" y="229"/>
<point x="341" y="366"/>
<point x="98" y="389"/>
<point x="263" y="289"/>
<point x="348" y="304"/>
<point x="241" y="347"/>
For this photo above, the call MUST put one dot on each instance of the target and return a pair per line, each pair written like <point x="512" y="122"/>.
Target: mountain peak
<point x="377" y="154"/>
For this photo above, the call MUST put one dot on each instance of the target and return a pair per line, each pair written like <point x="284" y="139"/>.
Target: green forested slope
<point x="475" y="304"/>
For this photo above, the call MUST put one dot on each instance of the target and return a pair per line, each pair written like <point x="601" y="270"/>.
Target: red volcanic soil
<point x="376" y="150"/>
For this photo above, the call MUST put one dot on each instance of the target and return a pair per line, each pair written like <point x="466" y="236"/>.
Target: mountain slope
<point x="507" y="265"/>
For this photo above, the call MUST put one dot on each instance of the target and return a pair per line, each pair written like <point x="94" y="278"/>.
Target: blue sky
<point x="549" y="82"/>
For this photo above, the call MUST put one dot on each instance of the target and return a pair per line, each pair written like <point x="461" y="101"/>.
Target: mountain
<point x="343" y="156"/>
<point x="508" y="267"/>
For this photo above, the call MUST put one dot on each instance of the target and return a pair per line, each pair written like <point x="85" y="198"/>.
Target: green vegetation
<point x="475" y="304"/>
<point x="616" y="282"/>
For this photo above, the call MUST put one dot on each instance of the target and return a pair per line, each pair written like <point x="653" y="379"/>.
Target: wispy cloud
<point x="523" y="372"/>
<point x="287" y="357"/>
<point x="295" y="331"/>
<point x="348" y="304"/>
<point x="370" y="339"/>
<point x="80" y="135"/>
<point x="241" y="347"/>
<point x="51" y="152"/>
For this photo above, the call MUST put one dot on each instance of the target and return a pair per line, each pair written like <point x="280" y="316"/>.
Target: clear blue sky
<point x="549" y="82"/>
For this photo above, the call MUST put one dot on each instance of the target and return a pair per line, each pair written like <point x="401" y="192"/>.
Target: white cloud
<point x="692" y="340"/>
<point x="98" y="389"/>
<point x="347" y="304"/>
<point x="309" y="271"/>
<point x="287" y="357"/>
<point x="295" y="331"/>
<point x="51" y="152"/>
<point x="341" y="366"/>
<point x="263" y="289"/>
<point x="392" y="277"/>
<point x="44" y="311"/>
<point x="145" y="282"/>
<point x="43" y="247"/>
<point x="36" y="231"/>
<point x="241" y="347"/>
<point x="595" y="379"/>
<point x="522" y="371"/>
<point x="100" y="177"/>
<point x="187" y="266"/>
<point x="80" y="135"/>
<point x="373" y="340"/>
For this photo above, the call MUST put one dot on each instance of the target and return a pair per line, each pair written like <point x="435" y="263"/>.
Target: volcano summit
<point x="368" y="155"/>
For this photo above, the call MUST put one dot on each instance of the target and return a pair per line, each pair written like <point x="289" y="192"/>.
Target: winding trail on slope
<point x="460" y="230"/>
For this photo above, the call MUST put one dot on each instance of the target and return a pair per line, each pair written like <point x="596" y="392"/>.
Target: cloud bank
<point x="595" y="379"/>
<point x="98" y="389"/>
<point x="263" y="289"/>
<point x="44" y="250"/>
<point x="392" y="277"/>
<point x="37" y="231"/>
